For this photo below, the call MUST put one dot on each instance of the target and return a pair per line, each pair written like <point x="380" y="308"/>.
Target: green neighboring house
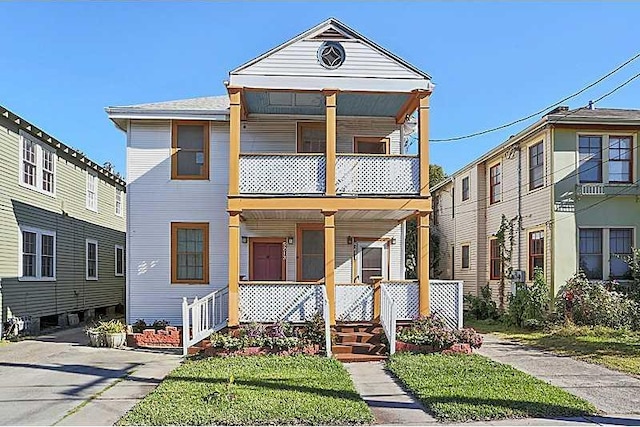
<point x="571" y="180"/>
<point x="62" y="230"/>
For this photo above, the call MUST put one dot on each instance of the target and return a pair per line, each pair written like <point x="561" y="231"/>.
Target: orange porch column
<point x="330" y="262"/>
<point x="235" y="114"/>
<point x="423" y="263"/>
<point x="330" y="102"/>
<point x="423" y="143"/>
<point x="234" y="268"/>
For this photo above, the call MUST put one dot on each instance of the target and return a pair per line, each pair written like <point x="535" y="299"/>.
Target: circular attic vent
<point x="331" y="55"/>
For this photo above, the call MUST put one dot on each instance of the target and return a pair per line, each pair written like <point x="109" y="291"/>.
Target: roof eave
<point x="137" y="113"/>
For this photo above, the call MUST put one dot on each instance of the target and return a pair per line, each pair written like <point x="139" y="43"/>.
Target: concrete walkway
<point x="389" y="403"/>
<point x="613" y="393"/>
<point x="58" y="379"/>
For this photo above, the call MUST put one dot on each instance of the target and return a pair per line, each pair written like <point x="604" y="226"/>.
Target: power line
<point x="530" y="116"/>
<point x="568" y="113"/>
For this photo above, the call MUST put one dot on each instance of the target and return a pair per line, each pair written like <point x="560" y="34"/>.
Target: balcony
<point x="608" y="190"/>
<point x="305" y="174"/>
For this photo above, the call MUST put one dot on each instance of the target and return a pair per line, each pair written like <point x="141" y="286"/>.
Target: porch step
<point x="359" y="342"/>
<point x="352" y="358"/>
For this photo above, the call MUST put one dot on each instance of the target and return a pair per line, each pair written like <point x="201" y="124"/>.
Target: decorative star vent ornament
<point x="331" y="55"/>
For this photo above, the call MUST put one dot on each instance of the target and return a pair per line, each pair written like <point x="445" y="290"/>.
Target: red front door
<point x="267" y="261"/>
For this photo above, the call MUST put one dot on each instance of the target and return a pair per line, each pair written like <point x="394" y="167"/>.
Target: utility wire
<point x="568" y="113"/>
<point x="530" y="116"/>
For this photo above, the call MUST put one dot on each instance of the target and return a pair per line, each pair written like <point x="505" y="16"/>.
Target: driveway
<point x="45" y="379"/>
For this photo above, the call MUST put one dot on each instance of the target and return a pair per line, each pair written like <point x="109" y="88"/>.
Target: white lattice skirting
<point x="377" y="174"/>
<point x="270" y="302"/>
<point x="354" y="302"/>
<point x="282" y="174"/>
<point x="445" y="298"/>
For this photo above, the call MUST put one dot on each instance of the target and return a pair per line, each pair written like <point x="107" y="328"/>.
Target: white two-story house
<point x="294" y="183"/>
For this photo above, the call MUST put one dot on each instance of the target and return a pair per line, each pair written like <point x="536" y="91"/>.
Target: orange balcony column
<point x="235" y="115"/>
<point x="423" y="143"/>
<point x="423" y="263"/>
<point x="330" y="112"/>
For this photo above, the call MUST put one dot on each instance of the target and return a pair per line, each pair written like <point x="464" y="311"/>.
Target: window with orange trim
<point x="371" y="145"/>
<point x="190" y="150"/>
<point x="190" y="252"/>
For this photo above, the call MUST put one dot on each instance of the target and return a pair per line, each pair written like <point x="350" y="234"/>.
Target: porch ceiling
<point x="313" y="215"/>
<point x="312" y="103"/>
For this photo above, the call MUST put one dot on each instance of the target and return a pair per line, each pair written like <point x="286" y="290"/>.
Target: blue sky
<point x="62" y="63"/>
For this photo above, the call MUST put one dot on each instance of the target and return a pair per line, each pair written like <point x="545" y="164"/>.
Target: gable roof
<point x="333" y="25"/>
<point x="206" y="103"/>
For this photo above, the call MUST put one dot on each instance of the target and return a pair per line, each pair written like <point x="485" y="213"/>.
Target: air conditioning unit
<point x="518" y="276"/>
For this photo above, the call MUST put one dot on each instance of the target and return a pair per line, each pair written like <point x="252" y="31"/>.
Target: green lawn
<point x="471" y="387"/>
<point x="613" y="348"/>
<point x="253" y="390"/>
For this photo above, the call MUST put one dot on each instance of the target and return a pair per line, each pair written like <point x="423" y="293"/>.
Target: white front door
<point x="372" y="260"/>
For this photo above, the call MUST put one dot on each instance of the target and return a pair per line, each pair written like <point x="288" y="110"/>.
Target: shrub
<point x="313" y="330"/>
<point x="483" y="306"/>
<point x="529" y="305"/>
<point x="110" y="327"/>
<point x="588" y="303"/>
<point x="226" y="342"/>
<point x="432" y="331"/>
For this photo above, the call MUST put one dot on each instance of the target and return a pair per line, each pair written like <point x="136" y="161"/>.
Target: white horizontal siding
<point x="154" y="202"/>
<point x="300" y="59"/>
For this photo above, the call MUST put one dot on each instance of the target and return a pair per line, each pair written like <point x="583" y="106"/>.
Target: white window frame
<point x="605" y="136"/>
<point x="92" y="178"/>
<point x="86" y="259"/>
<point x="363" y="244"/>
<point x="606" y="247"/>
<point x="121" y="201"/>
<point x="115" y="264"/>
<point x="40" y="148"/>
<point x="39" y="233"/>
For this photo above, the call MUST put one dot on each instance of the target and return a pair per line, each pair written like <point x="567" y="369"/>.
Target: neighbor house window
<point x="465" y="256"/>
<point x="38" y="166"/>
<point x="465" y="188"/>
<point x="620" y="244"/>
<point x="119" y="264"/>
<point x="92" y="191"/>
<point x="536" y="252"/>
<point x="591" y="252"/>
<point x="91" y="257"/>
<point x="371" y="145"/>
<point x="38" y="254"/>
<point x="495" y="261"/>
<point x="536" y="166"/>
<point x="312" y="137"/>
<point x="190" y="150"/>
<point x="620" y="159"/>
<point x="495" y="180"/>
<point x="190" y="252"/>
<point x="590" y="155"/>
<point x="119" y="202"/>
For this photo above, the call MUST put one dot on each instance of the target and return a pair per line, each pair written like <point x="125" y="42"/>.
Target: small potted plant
<point x="111" y="334"/>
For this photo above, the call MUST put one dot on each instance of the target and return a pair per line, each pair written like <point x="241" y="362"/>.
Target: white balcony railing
<point x="377" y="174"/>
<point x="282" y="173"/>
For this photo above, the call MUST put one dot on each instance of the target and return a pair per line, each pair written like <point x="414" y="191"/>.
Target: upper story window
<point x="37" y="166"/>
<point x="465" y="188"/>
<point x="37" y="254"/>
<point x="536" y="166"/>
<point x="620" y="158"/>
<point x="590" y="154"/>
<point x="331" y="54"/>
<point x="536" y="252"/>
<point x="92" y="191"/>
<point x="312" y="137"/>
<point x="370" y="145"/>
<point x="190" y="150"/>
<point x="495" y="184"/>
<point x="119" y="193"/>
